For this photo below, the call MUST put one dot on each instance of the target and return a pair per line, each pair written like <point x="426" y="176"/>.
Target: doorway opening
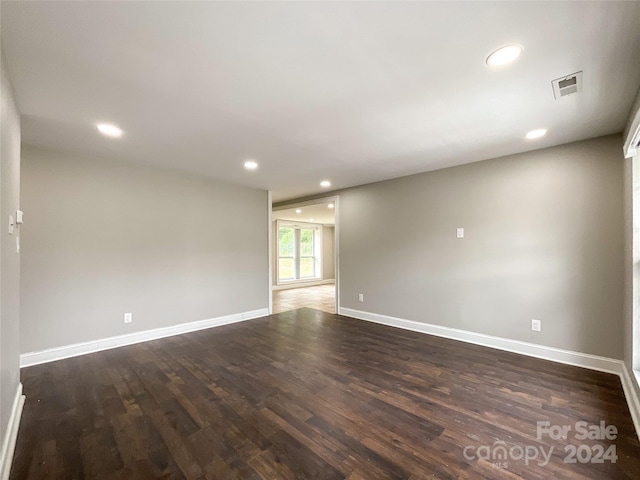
<point x="304" y="256"/>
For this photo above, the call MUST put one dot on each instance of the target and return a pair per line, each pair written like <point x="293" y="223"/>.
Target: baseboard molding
<point x="74" y="350"/>
<point x="631" y="394"/>
<point x="578" y="359"/>
<point x="585" y="360"/>
<point x="312" y="283"/>
<point x="11" y="435"/>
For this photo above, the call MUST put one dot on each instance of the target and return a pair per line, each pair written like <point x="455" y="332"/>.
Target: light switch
<point x="460" y="233"/>
<point x="12" y="225"/>
<point x="19" y="217"/>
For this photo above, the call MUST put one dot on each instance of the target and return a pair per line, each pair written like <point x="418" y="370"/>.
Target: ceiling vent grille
<point x="568" y="85"/>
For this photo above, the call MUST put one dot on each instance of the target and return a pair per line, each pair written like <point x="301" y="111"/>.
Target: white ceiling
<point x="354" y="92"/>
<point x="320" y="213"/>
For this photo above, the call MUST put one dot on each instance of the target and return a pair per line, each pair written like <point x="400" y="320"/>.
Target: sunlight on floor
<point x="320" y="297"/>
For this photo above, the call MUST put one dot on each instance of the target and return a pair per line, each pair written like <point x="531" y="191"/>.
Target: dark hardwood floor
<point x="310" y="395"/>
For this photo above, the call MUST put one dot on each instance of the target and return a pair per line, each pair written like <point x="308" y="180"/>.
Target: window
<point x="307" y="254"/>
<point x="286" y="254"/>
<point x="299" y="247"/>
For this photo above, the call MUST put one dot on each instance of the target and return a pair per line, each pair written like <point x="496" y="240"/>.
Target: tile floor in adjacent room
<point x="319" y="297"/>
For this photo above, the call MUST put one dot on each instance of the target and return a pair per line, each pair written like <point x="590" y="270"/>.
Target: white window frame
<point x="317" y="251"/>
<point x="631" y="149"/>
<point x="635" y="209"/>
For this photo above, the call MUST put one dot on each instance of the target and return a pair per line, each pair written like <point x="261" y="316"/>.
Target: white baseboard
<point x="67" y="351"/>
<point x="593" y="362"/>
<point x="312" y="283"/>
<point x="11" y="435"/>
<point x="631" y="394"/>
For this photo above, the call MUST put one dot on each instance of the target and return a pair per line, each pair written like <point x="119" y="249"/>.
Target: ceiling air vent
<point x="568" y="85"/>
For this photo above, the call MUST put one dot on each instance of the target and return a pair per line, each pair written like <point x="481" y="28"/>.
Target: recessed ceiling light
<point x="504" y="55"/>
<point x="311" y="219"/>
<point x="533" y="134"/>
<point x="109" y="130"/>
<point x="298" y="210"/>
<point x="330" y="205"/>
<point x="325" y="183"/>
<point x="250" y="164"/>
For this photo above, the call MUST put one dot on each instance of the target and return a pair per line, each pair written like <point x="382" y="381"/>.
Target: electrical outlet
<point x="536" y="325"/>
<point x="128" y="317"/>
<point x="361" y="297"/>
<point x="459" y="232"/>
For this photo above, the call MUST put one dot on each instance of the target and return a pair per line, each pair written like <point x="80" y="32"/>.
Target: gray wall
<point x="544" y="240"/>
<point x="103" y="238"/>
<point x="10" y="259"/>
<point x="328" y="248"/>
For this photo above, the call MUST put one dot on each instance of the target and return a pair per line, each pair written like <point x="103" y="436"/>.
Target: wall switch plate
<point x="128" y="317"/>
<point x="361" y="297"/>
<point x="12" y="225"/>
<point x="459" y="232"/>
<point x="536" y="325"/>
<point x="19" y="217"/>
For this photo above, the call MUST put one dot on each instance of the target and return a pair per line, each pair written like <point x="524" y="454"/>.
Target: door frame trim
<point x="335" y="199"/>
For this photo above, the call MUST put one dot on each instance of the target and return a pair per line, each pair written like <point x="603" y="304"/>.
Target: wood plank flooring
<point x="310" y="395"/>
<point x="319" y="297"/>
